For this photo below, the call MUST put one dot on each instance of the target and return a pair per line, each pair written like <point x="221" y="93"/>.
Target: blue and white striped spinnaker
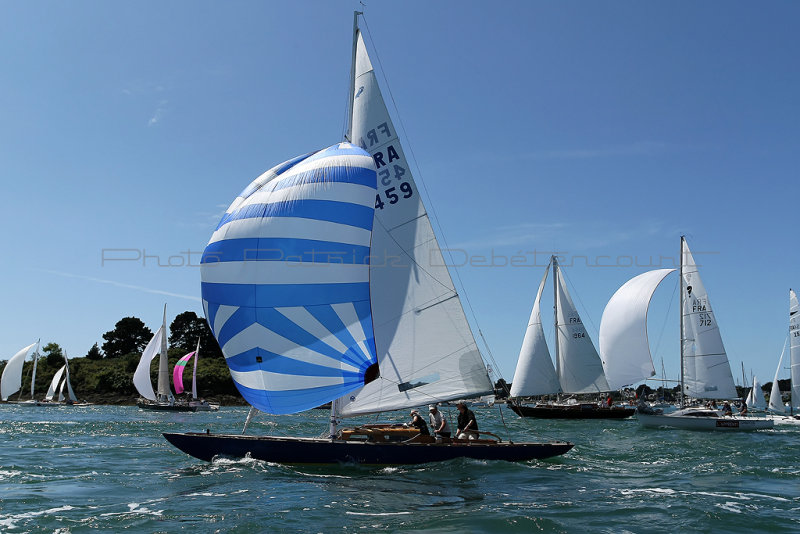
<point x="285" y="281"/>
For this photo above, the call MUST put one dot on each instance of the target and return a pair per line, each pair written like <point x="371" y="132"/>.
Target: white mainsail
<point x="141" y="377"/>
<point x="624" y="346"/>
<point x="579" y="367"/>
<point x="426" y="350"/>
<point x="706" y="371"/>
<point x="775" y="399"/>
<point x="67" y="381"/>
<point x="794" y="347"/>
<point x="535" y="374"/>
<point x="51" y="391"/>
<point x="11" y="380"/>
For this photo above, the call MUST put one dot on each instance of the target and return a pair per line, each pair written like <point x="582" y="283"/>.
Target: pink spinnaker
<point x="177" y="374"/>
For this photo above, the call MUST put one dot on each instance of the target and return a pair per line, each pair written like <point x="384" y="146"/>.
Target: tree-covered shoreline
<point x="106" y="376"/>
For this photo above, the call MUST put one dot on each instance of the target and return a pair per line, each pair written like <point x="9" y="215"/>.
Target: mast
<point x="164" y="392"/>
<point x="194" y="371"/>
<point x="35" y="361"/>
<point x="555" y="313"/>
<point x="351" y="94"/>
<point x="683" y="296"/>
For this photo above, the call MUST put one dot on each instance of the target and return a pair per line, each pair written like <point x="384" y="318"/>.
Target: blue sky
<point x="592" y="129"/>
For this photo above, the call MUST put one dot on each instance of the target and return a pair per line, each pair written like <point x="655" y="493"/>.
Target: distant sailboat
<point x="578" y="368"/>
<point x="755" y="399"/>
<point x="60" y="382"/>
<point x="357" y="306"/>
<point x="177" y="380"/>
<point x="705" y="371"/>
<point x="11" y="380"/>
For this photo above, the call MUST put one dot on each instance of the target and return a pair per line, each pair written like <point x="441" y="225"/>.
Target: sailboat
<point x="197" y="405"/>
<point x="324" y="282"/>
<point x="755" y="399"/>
<point x="776" y="406"/>
<point x="163" y="400"/>
<point x="57" y="385"/>
<point x="578" y="369"/>
<point x="11" y="380"/>
<point x="705" y="370"/>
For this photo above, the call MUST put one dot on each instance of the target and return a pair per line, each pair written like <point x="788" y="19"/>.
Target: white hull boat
<point x="703" y="419"/>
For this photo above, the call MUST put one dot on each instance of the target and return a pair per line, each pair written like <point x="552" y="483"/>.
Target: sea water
<point x="107" y="468"/>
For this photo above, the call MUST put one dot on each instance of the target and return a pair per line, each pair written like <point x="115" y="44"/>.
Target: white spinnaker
<point x="756" y="396"/>
<point x="535" y="374"/>
<point x="579" y="369"/>
<point x="775" y="400"/>
<point x="706" y="370"/>
<point x="426" y="351"/>
<point x="624" y="346"/>
<point x="11" y="381"/>
<point x="51" y="391"/>
<point x="794" y="347"/>
<point x="141" y="377"/>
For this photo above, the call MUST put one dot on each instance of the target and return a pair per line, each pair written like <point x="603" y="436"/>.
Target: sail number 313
<point x="392" y="195"/>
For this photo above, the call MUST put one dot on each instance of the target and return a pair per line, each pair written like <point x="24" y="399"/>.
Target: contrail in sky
<point x="120" y="284"/>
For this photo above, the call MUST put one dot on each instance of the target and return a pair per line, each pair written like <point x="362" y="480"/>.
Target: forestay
<point x="141" y="377"/>
<point x="624" y="345"/>
<point x="535" y="374"/>
<point x="706" y="371"/>
<point x="285" y="281"/>
<point x="579" y="366"/>
<point x="426" y="350"/>
<point x="794" y="347"/>
<point x="11" y="380"/>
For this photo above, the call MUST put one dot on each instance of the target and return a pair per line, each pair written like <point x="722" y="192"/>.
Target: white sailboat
<point x="59" y="382"/>
<point x="578" y="369"/>
<point x="371" y="320"/>
<point x="755" y="399"/>
<point x="11" y="380"/>
<point x="776" y="406"/>
<point x="705" y="371"/>
<point x="163" y="399"/>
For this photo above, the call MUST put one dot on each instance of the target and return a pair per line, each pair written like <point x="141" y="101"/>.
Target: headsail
<point x="579" y="366"/>
<point x="706" y="371"/>
<point x="624" y="346"/>
<point x="794" y="347"/>
<point x="11" y="381"/>
<point x="425" y="347"/>
<point x="535" y="374"/>
<point x="775" y="399"/>
<point x="177" y="373"/>
<point x="285" y="281"/>
<point x="51" y="391"/>
<point x="141" y="377"/>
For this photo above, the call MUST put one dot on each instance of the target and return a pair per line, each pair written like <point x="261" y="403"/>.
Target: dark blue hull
<point x="323" y="451"/>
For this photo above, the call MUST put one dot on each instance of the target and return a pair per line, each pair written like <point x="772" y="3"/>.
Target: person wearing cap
<point x="467" y="425"/>
<point x="419" y="423"/>
<point x="438" y="423"/>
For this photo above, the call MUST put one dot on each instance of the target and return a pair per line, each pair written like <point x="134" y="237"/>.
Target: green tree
<point x="129" y="335"/>
<point x="54" y="354"/>
<point x="94" y="353"/>
<point x="186" y="328"/>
